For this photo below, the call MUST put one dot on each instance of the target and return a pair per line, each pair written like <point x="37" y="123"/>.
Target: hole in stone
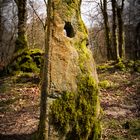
<point x="87" y="42"/>
<point x="69" y="29"/>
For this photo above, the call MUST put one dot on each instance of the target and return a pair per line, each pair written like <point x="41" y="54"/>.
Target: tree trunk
<point x="107" y="30"/>
<point x="21" y="42"/>
<point x="42" y="133"/>
<point x="114" y="31"/>
<point x="121" y="44"/>
<point x="137" y="46"/>
<point x="7" y="32"/>
<point x="1" y="63"/>
<point x="0" y="23"/>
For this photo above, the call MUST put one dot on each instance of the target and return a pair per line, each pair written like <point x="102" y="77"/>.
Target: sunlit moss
<point x="104" y="84"/>
<point x="120" y="65"/>
<point x="27" y="61"/>
<point x="74" y="115"/>
<point x="21" y="43"/>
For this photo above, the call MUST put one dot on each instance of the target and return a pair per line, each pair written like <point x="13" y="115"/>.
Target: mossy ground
<point x="128" y="66"/>
<point x="19" y="101"/>
<point x="120" y="101"/>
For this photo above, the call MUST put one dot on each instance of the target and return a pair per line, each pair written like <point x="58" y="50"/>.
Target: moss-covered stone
<point x="127" y="65"/>
<point x="21" y="43"/>
<point x="74" y="115"/>
<point x="121" y="66"/>
<point x="104" y="84"/>
<point x="137" y="66"/>
<point x="130" y="63"/>
<point x="27" y="61"/>
<point x="73" y="77"/>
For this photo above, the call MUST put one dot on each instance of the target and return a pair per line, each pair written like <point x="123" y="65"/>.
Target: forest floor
<point x="120" y="102"/>
<point x="19" y="106"/>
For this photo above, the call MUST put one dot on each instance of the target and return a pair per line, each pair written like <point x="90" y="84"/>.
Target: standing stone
<point x="72" y="73"/>
<point x="69" y="54"/>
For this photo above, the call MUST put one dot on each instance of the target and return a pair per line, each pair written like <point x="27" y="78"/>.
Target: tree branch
<point x="31" y="4"/>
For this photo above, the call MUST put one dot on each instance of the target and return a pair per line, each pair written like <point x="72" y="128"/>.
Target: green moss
<point x="137" y="66"/>
<point x="69" y="7"/>
<point x="27" y="61"/>
<point x="81" y="26"/>
<point x="104" y="67"/>
<point x="121" y="66"/>
<point x="127" y="65"/>
<point x="35" y="52"/>
<point x="74" y="115"/>
<point x="21" y="43"/>
<point x="130" y="63"/>
<point x="104" y="84"/>
<point x="84" y="54"/>
<point x="29" y="67"/>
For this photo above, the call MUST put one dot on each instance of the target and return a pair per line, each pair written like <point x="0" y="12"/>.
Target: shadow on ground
<point x="17" y="137"/>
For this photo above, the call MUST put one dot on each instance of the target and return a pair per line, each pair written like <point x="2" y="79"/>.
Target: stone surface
<point x="68" y="49"/>
<point x="69" y="58"/>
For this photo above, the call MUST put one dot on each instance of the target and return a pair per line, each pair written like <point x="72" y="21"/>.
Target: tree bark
<point x="107" y="29"/>
<point x="7" y="32"/>
<point x="114" y="31"/>
<point x="42" y="134"/>
<point x="137" y="46"/>
<point x="21" y="42"/>
<point x="0" y="23"/>
<point x="121" y="45"/>
<point x="1" y="63"/>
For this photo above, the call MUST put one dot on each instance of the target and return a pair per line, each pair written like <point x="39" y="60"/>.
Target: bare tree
<point x="114" y="31"/>
<point x="134" y="5"/>
<point x="103" y="5"/>
<point x="35" y="30"/>
<point x="44" y="91"/>
<point x="42" y="134"/>
<point x="121" y="45"/>
<point x="97" y="37"/>
<point x="21" y="42"/>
